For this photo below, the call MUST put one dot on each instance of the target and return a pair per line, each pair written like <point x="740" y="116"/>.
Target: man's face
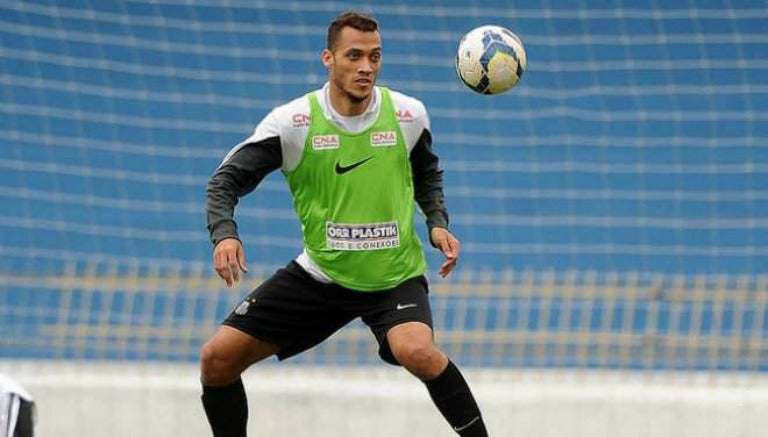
<point x="355" y="62"/>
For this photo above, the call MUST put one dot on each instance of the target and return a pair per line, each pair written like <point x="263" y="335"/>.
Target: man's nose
<point x="364" y="66"/>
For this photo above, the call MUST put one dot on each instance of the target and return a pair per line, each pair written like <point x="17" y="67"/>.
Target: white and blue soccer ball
<point x="490" y="59"/>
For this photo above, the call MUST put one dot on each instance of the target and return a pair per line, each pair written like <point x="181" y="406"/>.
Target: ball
<point x="490" y="59"/>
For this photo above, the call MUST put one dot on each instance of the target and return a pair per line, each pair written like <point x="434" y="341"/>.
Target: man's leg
<point x="285" y="315"/>
<point x="223" y="358"/>
<point x="413" y="347"/>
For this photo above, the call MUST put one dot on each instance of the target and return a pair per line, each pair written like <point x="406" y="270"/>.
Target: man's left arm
<point x="428" y="192"/>
<point x="428" y="182"/>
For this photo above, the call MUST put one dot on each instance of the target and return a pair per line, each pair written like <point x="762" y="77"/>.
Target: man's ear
<point x="327" y="57"/>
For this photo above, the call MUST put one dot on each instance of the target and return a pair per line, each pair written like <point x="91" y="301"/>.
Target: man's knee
<point x="228" y="353"/>
<point x="216" y="366"/>
<point x="423" y="359"/>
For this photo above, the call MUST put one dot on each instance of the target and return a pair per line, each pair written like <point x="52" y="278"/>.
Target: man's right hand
<point x="229" y="260"/>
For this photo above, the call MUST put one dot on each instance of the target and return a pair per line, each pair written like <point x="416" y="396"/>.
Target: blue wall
<point x="636" y="141"/>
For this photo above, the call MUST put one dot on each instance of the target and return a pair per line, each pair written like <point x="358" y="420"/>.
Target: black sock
<point x="227" y="409"/>
<point x="453" y="398"/>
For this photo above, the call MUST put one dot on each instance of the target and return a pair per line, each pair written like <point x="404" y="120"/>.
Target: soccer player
<point x="355" y="156"/>
<point x="17" y="409"/>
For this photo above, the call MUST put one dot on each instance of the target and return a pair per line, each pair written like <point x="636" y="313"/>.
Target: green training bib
<point x="353" y="193"/>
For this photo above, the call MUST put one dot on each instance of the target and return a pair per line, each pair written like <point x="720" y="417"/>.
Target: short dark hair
<point x="355" y="20"/>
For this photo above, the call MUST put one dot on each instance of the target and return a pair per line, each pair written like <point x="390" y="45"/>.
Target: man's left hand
<point x="449" y="245"/>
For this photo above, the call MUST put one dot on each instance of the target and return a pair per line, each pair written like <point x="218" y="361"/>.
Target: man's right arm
<point x="237" y="176"/>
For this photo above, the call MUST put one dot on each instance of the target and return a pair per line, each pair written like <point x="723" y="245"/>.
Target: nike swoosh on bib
<point x="343" y="169"/>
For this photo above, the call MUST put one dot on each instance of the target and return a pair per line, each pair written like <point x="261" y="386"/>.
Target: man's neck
<point x="344" y="105"/>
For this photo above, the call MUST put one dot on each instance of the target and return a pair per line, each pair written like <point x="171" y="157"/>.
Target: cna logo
<point x="300" y="120"/>
<point x="404" y="115"/>
<point x="325" y="142"/>
<point x="383" y="139"/>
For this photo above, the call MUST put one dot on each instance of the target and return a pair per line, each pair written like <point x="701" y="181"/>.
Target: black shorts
<point x="295" y="312"/>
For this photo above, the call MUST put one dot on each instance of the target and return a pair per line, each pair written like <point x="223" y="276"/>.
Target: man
<point x="16" y="409"/>
<point x="355" y="157"/>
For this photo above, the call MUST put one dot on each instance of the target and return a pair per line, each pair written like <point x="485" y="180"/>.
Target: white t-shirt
<point x="290" y="122"/>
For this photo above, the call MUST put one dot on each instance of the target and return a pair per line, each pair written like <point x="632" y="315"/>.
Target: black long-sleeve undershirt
<point x="249" y="165"/>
